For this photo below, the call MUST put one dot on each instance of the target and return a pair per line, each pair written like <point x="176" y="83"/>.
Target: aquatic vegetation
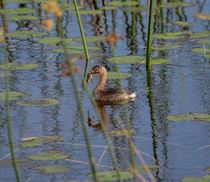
<point x="200" y="50"/>
<point x="118" y="75"/>
<point x="157" y="61"/>
<point x="52" y="169"/>
<point x="12" y="95"/>
<point x="24" y="34"/>
<point x="183" y="23"/>
<point x="39" y="102"/>
<point x="203" y="16"/>
<point x="17" y="66"/>
<point x="89" y="12"/>
<point x="111" y="175"/>
<point x="205" y="178"/>
<point x="45" y="156"/>
<point x="166" y="47"/>
<point x="189" y="116"/>
<point x="126" y="59"/>
<point x="22" y="18"/>
<point x="125" y="3"/>
<point x="175" y="5"/>
<point x="39" y="141"/>
<point x="17" y="11"/>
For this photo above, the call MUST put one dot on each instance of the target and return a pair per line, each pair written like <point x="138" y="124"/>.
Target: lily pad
<point x="207" y="169"/>
<point x="109" y="7"/>
<point x="182" y="23"/>
<point x="135" y="9"/>
<point x="111" y="175"/>
<point x="12" y="95"/>
<point x="16" y="66"/>
<point x="25" y="34"/>
<point x="126" y="59"/>
<point x="200" y="34"/>
<point x="203" y="16"/>
<point x="44" y="1"/>
<point x="38" y="141"/>
<point x="90" y="39"/>
<point x="55" y="40"/>
<point x="120" y="132"/>
<point x="89" y="12"/>
<point x="125" y="3"/>
<point x="17" y="11"/>
<point x="200" y="50"/>
<point x="141" y="169"/>
<point x="166" y="47"/>
<point x="39" y="102"/>
<point x="156" y="61"/>
<point x="118" y="75"/>
<point x="171" y="35"/>
<point x="18" y="1"/>
<point x="189" y="116"/>
<point x="175" y="5"/>
<point x="52" y="169"/>
<point x="21" y="18"/>
<point x="205" y="178"/>
<point x="203" y="41"/>
<point x="44" y="157"/>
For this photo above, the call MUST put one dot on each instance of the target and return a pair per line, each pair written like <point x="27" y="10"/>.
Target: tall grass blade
<point x="149" y="35"/>
<point x="83" y="40"/>
<point x="7" y="105"/>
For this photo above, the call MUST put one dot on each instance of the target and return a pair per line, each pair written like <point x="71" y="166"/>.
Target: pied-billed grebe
<point x="110" y="95"/>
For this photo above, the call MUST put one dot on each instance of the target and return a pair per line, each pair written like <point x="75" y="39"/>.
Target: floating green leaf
<point x="12" y="95"/>
<point x="44" y="1"/>
<point x="39" y="102"/>
<point x="182" y="23"/>
<point x="125" y="3"/>
<point x="200" y="50"/>
<point x="118" y="75"/>
<point x="189" y="116"/>
<point x="25" y="34"/>
<point x="40" y="141"/>
<point x="175" y="5"/>
<point x="120" y="132"/>
<point x="55" y="40"/>
<point x="135" y="9"/>
<point x="171" y="35"/>
<point x="165" y="47"/>
<point x="109" y="7"/>
<point x="16" y="66"/>
<point x="48" y="157"/>
<point x="90" y="39"/>
<point x="89" y="12"/>
<point x="141" y="169"/>
<point x="111" y="175"/>
<point x="21" y="18"/>
<point x="200" y="34"/>
<point x="156" y="61"/>
<point x="204" y="41"/>
<point x="126" y="59"/>
<point x="18" y="1"/>
<point x="203" y="16"/>
<point x="17" y="11"/>
<point x="52" y="169"/>
<point x="205" y="178"/>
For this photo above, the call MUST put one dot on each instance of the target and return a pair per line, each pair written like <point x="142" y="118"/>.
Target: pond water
<point x="182" y="85"/>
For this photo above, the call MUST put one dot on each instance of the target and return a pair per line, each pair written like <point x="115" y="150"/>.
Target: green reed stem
<point x="83" y="40"/>
<point x="149" y="35"/>
<point x="7" y="105"/>
<point x="79" y="105"/>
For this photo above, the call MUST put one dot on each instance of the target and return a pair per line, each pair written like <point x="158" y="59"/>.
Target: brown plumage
<point x="110" y="95"/>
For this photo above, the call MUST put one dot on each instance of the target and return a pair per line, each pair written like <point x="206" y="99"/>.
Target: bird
<point x="109" y="96"/>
